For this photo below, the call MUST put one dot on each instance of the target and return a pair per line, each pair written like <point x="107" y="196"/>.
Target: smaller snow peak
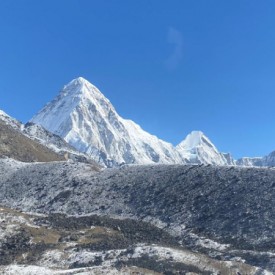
<point x="192" y="140"/>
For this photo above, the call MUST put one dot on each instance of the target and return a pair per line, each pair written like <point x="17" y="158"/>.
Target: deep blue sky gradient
<point x="171" y="66"/>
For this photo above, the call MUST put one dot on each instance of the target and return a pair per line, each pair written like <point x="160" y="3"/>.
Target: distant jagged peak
<point x="195" y="139"/>
<point x="197" y="148"/>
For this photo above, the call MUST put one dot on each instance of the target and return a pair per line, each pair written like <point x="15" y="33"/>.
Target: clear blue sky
<point x="171" y="66"/>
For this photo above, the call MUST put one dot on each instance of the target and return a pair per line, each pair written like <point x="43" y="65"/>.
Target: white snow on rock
<point x="197" y="148"/>
<point x="250" y="162"/>
<point x="266" y="161"/>
<point x="40" y="270"/>
<point x="9" y="120"/>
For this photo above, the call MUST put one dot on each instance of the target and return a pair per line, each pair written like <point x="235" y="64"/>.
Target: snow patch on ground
<point x="39" y="270"/>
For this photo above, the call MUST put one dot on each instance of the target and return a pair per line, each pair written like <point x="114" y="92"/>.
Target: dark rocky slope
<point x="226" y="212"/>
<point x="98" y="245"/>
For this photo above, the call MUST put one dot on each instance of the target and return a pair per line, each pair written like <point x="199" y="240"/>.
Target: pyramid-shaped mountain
<point x="87" y="120"/>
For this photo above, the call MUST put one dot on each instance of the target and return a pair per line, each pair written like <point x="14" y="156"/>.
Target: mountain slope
<point x="224" y="212"/>
<point x="53" y="142"/>
<point x="97" y="245"/>
<point x="88" y="121"/>
<point x="25" y="141"/>
<point x="6" y="119"/>
<point x="15" y="145"/>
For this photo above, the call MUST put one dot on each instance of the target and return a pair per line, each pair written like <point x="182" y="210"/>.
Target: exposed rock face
<point x="225" y="212"/>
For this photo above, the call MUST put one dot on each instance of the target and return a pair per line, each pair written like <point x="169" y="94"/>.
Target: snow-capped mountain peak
<point x="197" y="148"/>
<point x="195" y="139"/>
<point x="81" y="86"/>
<point x="65" y="112"/>
<point x="87" y="120"/>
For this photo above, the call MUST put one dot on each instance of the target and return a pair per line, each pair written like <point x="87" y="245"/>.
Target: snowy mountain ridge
<point x="40" y="135"/>
<point x="87" y="120"/>
<point x="82" y="122"/>
<point x="197" y="148"/>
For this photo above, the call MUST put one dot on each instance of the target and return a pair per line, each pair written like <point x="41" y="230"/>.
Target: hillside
<point x="223" y="212"/>
<point x="56" y="244"/>
<point x="14" y="144"/>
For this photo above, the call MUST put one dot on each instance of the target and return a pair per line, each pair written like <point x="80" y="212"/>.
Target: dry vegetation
<point x="14" y="144"/>
<point x="36" y="240"/>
